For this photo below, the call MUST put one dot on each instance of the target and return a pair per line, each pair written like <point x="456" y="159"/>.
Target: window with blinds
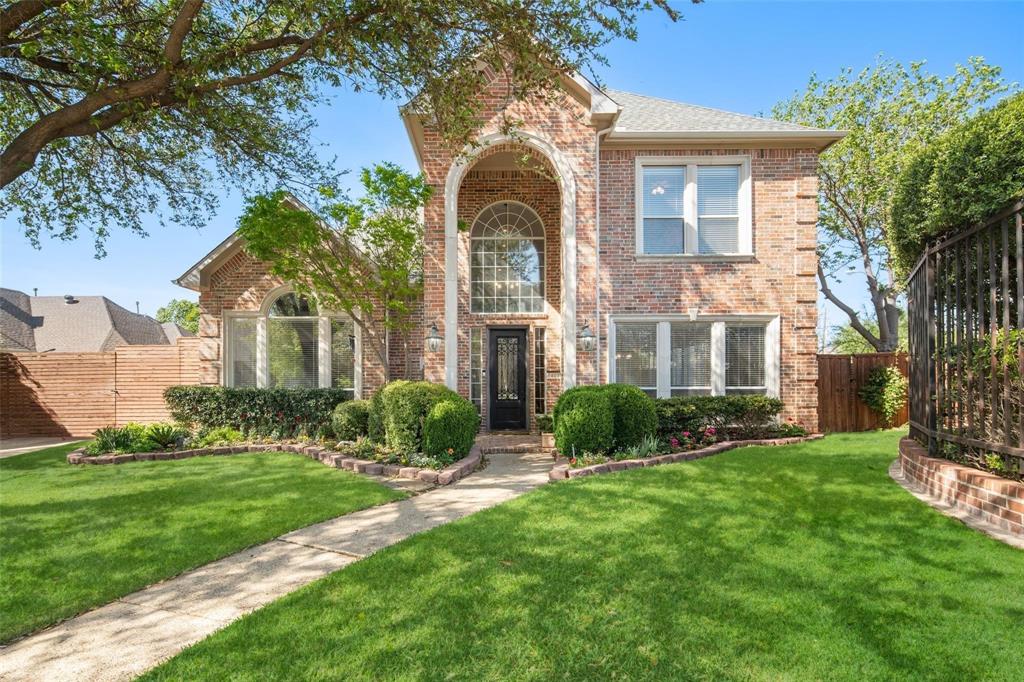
<point x="283" y="347"/>
<point x="663" y="209"/>
<point x="690" y="358"/>
<point x="636" y="348"/>
<point x="343" y="346"/>
<point x="744" y="359"/>
<point x="242" y="351"/>
<point x="680" y="357"/>
<point x="718" y="209"/>
<point x="293" y="351"/>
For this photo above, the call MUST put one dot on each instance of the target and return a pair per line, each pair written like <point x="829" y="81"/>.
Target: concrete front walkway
<point x="131" y="635"/>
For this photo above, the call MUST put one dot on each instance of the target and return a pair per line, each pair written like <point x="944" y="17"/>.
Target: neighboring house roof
<point x="90" y="324"/>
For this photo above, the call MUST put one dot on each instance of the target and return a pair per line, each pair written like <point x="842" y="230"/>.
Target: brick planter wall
<point x="996" y="500"/>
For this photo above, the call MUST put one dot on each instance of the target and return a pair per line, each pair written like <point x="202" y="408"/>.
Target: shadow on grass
<point x="803" y="562"/>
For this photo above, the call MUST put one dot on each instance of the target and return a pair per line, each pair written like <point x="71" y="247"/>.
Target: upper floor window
<point x="507" y="260"/>
<point x="290" y="343"/>
<point x="690" y="206"/>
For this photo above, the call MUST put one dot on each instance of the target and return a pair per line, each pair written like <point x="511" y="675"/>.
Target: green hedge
<point x="732" y="416"/>
<point x="281" y="412"/>
<point x="584" y="421"/>
<point x="350" y="419"/>
<point x="450" y="425"/>
<point x="404" y="407"/>
<point x="967" y="174"/>
<point x="635" y="417"/>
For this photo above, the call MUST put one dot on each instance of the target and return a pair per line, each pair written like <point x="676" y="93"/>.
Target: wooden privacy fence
<point x="840" y="378"/>
<point x="73" y="394"/>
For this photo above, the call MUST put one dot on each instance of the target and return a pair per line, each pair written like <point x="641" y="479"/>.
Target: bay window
<point x="693" y="206"/>
<point x="290" y="343"/>
<point x="676" y="356"/>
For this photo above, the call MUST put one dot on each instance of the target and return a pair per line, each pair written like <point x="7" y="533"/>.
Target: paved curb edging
<point x="562" y="471"/>
<point x="451" y="473"/>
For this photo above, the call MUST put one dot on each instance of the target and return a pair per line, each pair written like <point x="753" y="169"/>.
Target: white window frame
<point x="262" y="361"/>
<point x="772" y="347"/>
<point x="691" y="245"/>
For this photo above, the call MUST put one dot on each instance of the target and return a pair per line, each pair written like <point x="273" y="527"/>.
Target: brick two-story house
<point x="611" y="237"/>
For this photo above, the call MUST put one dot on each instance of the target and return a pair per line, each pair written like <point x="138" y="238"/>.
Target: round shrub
<point x="450" y="425"/>
<point x="584" y="421"/>
<point x="350" y="419"/>
<point x="634" y="415"/>
<point x="375" y="418"/>
<point x="406" y="405"/>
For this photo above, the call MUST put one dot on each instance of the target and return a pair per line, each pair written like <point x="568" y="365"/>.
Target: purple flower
<point x="686" y="434"/>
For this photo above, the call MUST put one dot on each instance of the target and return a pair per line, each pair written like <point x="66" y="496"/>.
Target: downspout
<point x="597" y="251"/>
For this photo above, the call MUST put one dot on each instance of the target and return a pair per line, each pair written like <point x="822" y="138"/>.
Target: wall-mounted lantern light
<point x="434" y="339"/>
<point x="586" y="339"/>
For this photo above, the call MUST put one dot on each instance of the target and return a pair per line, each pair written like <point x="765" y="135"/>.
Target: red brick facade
<point x="778" y="280"/>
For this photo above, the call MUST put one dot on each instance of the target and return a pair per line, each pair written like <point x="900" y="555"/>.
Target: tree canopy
<point x="970" y="172"/>
<point x="890" y="112"/>
<point x="110" y="110"/>
<point x="182" y="312"/>
<point x="362" y="257"/>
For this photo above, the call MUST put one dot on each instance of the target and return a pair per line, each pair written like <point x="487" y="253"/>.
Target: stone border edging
<point x="562" y="470"/>
<point x="984" y="501"/>
<point x="451" y="473"/>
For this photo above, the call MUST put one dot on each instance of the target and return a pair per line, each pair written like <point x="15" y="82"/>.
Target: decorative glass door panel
<point x="507" y="378"/>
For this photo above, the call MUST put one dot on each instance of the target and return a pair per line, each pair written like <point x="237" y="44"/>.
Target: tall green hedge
<point x="967" y="174"/>
<point x="634" y="414"/>
<point x="404" y="408"/>
<point x="584" y="421"/>
<point x="261" y="410"/>
<point x="451" y="425"/>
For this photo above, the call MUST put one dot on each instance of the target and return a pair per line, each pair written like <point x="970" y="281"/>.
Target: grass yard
<point x="75" y="537"/>
<point x="805" y="562"/>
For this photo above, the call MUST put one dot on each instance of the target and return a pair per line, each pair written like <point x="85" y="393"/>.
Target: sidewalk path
<point x="131" y="635"/>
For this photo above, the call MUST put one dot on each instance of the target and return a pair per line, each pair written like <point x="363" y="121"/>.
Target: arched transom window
<point x="290" y="343"/>
<point x="507" y="267"/>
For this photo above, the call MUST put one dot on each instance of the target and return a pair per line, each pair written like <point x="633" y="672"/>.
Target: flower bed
<point x="563" y="469"/>
<point x="449" y="474"/>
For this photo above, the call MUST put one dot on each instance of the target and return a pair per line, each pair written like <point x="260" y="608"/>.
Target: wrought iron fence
<point x="966" y="301"/>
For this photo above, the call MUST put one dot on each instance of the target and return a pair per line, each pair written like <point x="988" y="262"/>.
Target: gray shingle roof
<point x="641" y="113"/>
<point x="92" y="324"/>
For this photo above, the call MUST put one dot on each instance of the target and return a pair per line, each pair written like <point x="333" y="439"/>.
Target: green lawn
<point x="75" y="537"/>
<point x="804" y="562"/>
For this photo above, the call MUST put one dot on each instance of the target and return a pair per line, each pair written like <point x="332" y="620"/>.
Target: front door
<point x="506" y="377"/>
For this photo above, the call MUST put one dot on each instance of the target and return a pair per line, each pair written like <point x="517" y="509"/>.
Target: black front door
<point x="506" y="377"/>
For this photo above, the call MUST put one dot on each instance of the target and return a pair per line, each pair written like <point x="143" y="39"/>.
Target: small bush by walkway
<point x="796" y="562"/>
<point x="79" y="537"/>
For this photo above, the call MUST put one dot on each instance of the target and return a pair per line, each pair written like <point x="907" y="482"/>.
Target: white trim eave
<point x="821" y="139"/>
<point x="566" y="179"/>
<point x="193" y="277"/>
<point x="414" y="129"/>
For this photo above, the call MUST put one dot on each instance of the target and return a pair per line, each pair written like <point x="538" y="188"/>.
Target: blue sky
<point x="739" y="56"/>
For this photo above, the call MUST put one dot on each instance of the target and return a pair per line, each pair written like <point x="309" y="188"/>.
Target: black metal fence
<point x="966" y="300"/>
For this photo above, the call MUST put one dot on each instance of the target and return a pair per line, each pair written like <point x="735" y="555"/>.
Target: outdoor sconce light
<point x="434" y="339"/>
<point x="586" y="339"/>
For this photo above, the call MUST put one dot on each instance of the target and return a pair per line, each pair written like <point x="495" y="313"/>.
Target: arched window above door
<point x="507" y="260"/>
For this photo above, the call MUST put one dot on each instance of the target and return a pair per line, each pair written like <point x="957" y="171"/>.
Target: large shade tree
<point x="110" y="109"/>
<point x="891" y="111"/>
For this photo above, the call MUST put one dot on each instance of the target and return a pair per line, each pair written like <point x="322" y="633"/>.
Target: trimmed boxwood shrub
<point x="732" y="416"/>
<point x="584" y="421"/>
<point x="406" y="405"/>
<point x="450" y="424"/>
<point x="280" y="412"/>
<point x="375" y="418"/>
<point x="635" y="417"/>
<point x="350" y="419"/>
